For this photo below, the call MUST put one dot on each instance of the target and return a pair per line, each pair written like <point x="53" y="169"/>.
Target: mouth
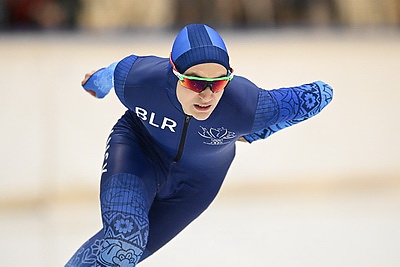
<point x="202" y="108"/>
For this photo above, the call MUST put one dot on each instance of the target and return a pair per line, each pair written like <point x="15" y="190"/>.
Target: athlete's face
<point x="200" y="105"/>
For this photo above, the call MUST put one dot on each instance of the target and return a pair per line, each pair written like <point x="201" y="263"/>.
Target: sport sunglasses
<point x="199" y="84"/>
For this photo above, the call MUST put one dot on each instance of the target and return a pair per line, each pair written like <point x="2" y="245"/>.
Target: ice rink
<point x="325" y="192"/>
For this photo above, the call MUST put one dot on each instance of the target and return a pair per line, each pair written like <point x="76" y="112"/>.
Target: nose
<point x="206" y="94"/>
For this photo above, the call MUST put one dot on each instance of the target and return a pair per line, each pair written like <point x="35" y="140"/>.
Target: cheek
<point x="218" y="96"/>
<point x="184" y="95"/>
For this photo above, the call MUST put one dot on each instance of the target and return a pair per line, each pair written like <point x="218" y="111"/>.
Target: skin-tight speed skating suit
<point x="163" y="168"/>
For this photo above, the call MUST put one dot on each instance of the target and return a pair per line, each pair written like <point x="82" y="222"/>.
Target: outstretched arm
<point x="99" y="83"/>
<point x="281" y="108"/>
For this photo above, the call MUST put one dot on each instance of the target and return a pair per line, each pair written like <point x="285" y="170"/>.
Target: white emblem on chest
<point x="216" y="136"/>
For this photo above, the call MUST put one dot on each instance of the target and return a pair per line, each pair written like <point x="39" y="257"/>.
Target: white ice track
<point x="325" y="193"/>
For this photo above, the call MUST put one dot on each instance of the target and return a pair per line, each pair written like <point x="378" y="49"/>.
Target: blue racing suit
<point x="163" y="168"/>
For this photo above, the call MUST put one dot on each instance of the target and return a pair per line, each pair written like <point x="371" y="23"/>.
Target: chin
<point x="201" y="117"/>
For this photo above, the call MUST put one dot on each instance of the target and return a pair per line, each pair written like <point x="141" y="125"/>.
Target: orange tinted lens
<point x="219" y="85"/>
<point x="194" y="85"/>
<point x="198" y="86"/>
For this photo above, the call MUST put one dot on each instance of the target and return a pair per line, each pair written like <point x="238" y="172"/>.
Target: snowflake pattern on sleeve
<point x="279" y="109"/>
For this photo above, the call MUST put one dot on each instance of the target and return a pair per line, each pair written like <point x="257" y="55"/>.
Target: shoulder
<point x="149" y="70"/>
<point x="139" y="72"/>
<point x="138" y="69"/>
<point x="240" y="98"/>
<point x="241" y="82"/>
<point x="240" y="87"/>
<point x="241" y="91"/>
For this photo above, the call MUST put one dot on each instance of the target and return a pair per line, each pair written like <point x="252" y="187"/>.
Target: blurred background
<point x="325" y="192"/>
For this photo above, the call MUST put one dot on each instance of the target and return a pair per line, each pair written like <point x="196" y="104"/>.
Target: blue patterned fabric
<point x="124" y="209"/>
<point x="123" y="239"/>
<point x="86" y="255"/>
<point x="101" y="82"/>
<point x="279" y="109"/>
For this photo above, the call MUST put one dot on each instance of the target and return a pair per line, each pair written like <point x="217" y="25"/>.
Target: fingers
<point x="242" y="139"/>
<point x="93" y="93"/>
<point x="87" y="76"/>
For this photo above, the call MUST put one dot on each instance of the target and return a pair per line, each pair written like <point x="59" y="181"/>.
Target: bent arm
<point x="281" y="108"/>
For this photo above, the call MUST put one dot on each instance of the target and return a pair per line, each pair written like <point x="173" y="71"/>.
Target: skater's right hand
<point x="86" y="78"/>
<point x="99" y="82"/>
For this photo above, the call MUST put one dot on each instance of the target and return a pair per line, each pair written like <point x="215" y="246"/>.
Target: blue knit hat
<point x="197" y="44"/>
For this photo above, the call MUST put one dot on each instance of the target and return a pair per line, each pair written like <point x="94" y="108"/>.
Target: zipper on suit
<point x="183" y="138"/>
